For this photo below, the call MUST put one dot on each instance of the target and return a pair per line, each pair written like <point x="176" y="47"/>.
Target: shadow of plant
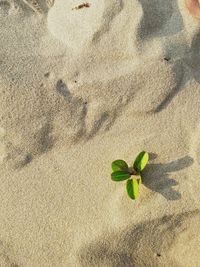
<point x="157" y="176"/>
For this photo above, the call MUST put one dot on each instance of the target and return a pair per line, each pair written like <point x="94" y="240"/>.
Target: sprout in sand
<point x="122" y="172"/>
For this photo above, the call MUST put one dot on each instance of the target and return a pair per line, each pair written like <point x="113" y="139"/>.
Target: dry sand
<point x="80" y="88"/>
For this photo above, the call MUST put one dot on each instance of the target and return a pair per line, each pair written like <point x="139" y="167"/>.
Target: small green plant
<point x="122" y="172"/>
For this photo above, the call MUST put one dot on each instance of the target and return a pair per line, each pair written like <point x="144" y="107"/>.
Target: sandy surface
<point x="80" y="88"/>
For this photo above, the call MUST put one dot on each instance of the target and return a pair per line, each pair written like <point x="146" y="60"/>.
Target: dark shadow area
<point x="189" y="58"/>
<point x="185" y="58"/>
<point x="62" y="88"/>
<point x="27" y="159"/>
<point x="157" y="176"/>
<point x="45" y="140"/>
<point x="163" y="19"/>
<point x="179" y="71"/>
<point x="192" y="59"/>
<point x="156" y="14"/>
<point x="142" y="245"/>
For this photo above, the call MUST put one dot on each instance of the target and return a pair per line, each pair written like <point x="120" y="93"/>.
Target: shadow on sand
<point x="141" y="245"/>
<point x="157" y="176"/>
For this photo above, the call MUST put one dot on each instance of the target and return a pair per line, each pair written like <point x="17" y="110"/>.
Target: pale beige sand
<point x="79" y="89"/>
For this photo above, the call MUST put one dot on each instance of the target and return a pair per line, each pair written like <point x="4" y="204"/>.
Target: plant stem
<point x="132" y="171"/>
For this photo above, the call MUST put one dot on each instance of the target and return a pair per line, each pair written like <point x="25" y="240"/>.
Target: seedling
<point x="122" y="172"/>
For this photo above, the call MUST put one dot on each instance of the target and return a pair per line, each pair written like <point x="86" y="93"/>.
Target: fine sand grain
<point x="81" y="86"/>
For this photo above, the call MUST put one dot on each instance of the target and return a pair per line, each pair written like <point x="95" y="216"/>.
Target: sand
<point x="80" y="88"/>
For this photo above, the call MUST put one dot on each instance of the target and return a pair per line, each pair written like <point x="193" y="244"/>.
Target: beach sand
<point x="79" y="88"/>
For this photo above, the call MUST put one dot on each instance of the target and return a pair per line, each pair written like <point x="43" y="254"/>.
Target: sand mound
<point x="78" y="26"/>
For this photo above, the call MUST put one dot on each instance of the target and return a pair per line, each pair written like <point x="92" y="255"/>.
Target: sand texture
<point x="81" y="86"/>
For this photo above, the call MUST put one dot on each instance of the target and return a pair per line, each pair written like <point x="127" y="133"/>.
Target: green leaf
<point x="120" y="176"/>
<point x="119" y="165"/>
<point x="141" y="161"/>
<point x="132" y="187"/>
